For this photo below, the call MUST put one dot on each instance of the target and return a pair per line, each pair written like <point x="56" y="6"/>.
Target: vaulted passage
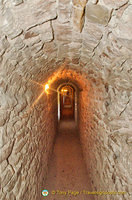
<point x="65" y="98"/>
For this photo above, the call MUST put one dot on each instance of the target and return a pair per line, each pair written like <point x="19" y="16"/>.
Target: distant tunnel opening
<point x="67" y="101"/>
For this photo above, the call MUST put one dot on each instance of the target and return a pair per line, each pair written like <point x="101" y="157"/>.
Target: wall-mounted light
<point x="46" y="88"/>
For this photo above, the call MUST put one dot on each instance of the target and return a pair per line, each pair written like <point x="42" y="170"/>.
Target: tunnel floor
<point x="67" y="170"/>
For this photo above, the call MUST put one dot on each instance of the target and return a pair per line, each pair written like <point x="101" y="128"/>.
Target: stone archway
<point x="75" y="103"/>
<point x="67" y="102"/>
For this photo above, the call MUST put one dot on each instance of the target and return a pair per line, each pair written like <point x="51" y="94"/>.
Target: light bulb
<point x="46" y="87"/>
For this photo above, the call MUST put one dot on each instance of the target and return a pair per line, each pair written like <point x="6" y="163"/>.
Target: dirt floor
<point x="67" y="177"/>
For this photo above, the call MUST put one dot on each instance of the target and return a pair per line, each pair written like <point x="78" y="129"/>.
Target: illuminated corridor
<point x="64" y="60"/>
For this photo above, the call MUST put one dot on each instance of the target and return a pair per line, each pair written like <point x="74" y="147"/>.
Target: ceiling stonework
<point x="80" y="30"/>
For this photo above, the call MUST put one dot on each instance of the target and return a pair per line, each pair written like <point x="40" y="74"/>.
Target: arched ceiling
<point x="37" y="36"/>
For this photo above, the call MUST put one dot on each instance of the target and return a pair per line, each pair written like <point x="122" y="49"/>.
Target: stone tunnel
<point x="84" y="44"/>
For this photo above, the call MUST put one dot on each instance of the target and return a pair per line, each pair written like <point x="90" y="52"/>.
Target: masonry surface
<point x="89" y="44"/>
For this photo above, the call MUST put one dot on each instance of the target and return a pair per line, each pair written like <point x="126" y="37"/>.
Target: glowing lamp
<point x="46" y="87"/>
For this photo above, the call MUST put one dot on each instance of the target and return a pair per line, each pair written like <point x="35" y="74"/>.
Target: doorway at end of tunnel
<point x="67" y="102"/>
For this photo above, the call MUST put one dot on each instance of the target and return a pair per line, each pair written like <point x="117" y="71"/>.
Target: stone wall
<point x="27" y="130"/>
<point x="105" y="132"/>
<point x="41" y="41"/>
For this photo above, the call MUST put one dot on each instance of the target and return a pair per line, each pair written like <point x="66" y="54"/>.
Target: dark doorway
<point x="67" y="102"/>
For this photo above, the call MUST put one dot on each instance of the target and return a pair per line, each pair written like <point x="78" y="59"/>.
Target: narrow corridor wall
<point x="105" y="132"/>
<point x="27" y="130"/>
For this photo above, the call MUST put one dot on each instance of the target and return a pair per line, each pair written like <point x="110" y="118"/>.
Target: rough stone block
<point x="36" y="13"/>
<point x="43" y="31"/>
<point x="62" y="32"/>
<point x="91" y="30"/>
<point x="64" y="14"/>
<point x="4" y="116"/>
<point x="78" y="14"/>
<point x="19" y="145"/>
<point x="6" y="176"/>
<point x="17" y="186"/>
<point x="78" y="18"/>
<point x="124" y="28"/>
<point x="17" y="2"/>
<point x="115" y="3"/>
<point x="4" y="44"/>
<point x="64" y="10"/>
<point x="3" y="165"/>
<point x="79" y="3"/>
<point x="9" y="26"/>
<point x="97" y="14"/>
<point x="3" y="137"/>
<point x="46" y="33"/>
<point x="6" y="151"/>
<point x="8" y="188"/>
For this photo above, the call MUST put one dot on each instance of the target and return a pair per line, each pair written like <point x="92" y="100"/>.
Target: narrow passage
<point x="67" y="170"/>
